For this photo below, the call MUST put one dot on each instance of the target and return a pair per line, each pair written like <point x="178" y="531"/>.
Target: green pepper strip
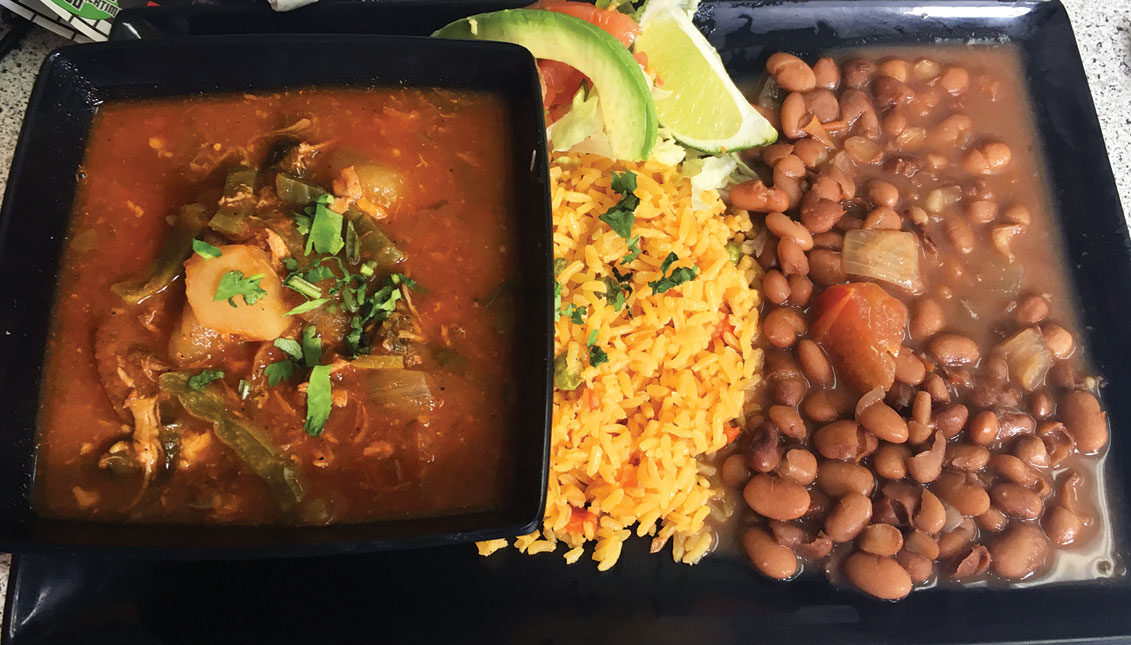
<point x="248" y="442"/>
<point x="170" y="261"/>
<point x="375" y="245"/>
<point x="296" y="192"/>
<point x="239" y="200"/>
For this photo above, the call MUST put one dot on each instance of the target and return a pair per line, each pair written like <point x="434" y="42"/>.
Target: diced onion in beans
<point x="889" y="256"/>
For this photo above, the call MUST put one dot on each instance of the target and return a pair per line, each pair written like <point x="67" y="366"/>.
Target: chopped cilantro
<point x="353" y="245"/>
<point x="235" y="283"/>
<point x="290" y="264"/>
<point x="620" y="220"/>
<point x="318" y="400"/>
<point x="616" y="293"/>
<point x="280" y="371"/>
<point x="592" y="338"/>
<point x="325" y="228"/>
<point x="309" y="305"/>
<point x="624" y="182"/>
<point x="290" y="347"/>
<point x="243" y="389"/>
<point x="302" y="224"/>
<point x="357" y="340"/>
<point x="575" y="314"/>
<point x="678" y="276"/>
<point x="205" y="250"/>
<point x="559" y="265"/>
<point x="311" y="346"/>
<point x="302" y="285"/>
<point x="204" y="378"/>
<point x="368" y="269"/>
<point x="318" y="273"/>
<point x="633" y="250"/>
<point x="597" y="356"/>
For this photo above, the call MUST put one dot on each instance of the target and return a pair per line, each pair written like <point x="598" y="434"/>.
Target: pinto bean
<point x="795" y="116"/>
<point x="791" y="73"/>
<point x="988" y="158"/>
<point x="966" y="456"/>
<point x="971" y="563"/>
<point x="787" y="420"/>
<point x="848" y="518"/>
<point x="1059" y="340"/>
<point x="818" y="214"/>
<point x="825" y="267"/>
<point x="937" y="388"/>
<point x="961" y="235"/>
<point x="956" y="540"/>
<point x="776" y="498"/>
<point x="755" y="196"/>
<point x="992" y="520"/>
<point x="859" y="72"/>
<point x="982" y="211"/>
<point x="764" y="452"/>
<point x="926" y="319"/>
<point x="954" y="349"/>
<point x="775" y="287"/>
<point x="919" y="568"/>
<point x="827" y="73"/>
<point x="772" y="559"/>
<point x="816" y="549"/>
<point x="909" y="369"/>
<point x="918" y="541"/>
<point x="983" y="428"/>
<point x="1085" y="421"/>
<point x="822" y="104"/>
<point x="1031" y="310"/>
<point x="954" y="80"/>
<point x="814" y="364"/>
<point x="792" y="257"/>
<point x="965" y="495"/>
<point x="1058" y="442"/>
<point x="844" y="440"/>
<point x="824" y="406"/>
<point x="798" y="465"/>
<point x="788" y="391"/>
<point x="838" y="478"/>
<point x="926" y="466"/>
<point x="882" y="421"/>
<point x="877" y="576"/>
<point x="931" y="514"/>
<point x="774" y="152"/>
<point x="783" y="326"/>
<point x="1016" y="501"/>
<point x="1031" y="449"/>
<point x="784" y="227"/>
<point x="1063" y="525"/>
<point x="1041" y="405"/>
<point x="951" y="419"/>
<point x="1018" y="551"/>
<point x="800" y="289"/>
<point x="880" y="539"/>
<point x="883" y="218"/>
<point x="734" y="471"/>
<point x="889" y="460"/>
<point x="891" y="92"/>
<point x="1014" y="470"/>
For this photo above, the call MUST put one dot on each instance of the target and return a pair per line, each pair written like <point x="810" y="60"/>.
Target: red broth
<point x="447" y="208"/>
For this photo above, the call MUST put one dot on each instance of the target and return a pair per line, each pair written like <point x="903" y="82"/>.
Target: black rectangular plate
<point x="450" y="593"/>
<point x="33" y="223"/>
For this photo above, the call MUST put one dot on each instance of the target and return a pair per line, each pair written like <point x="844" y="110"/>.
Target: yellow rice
<point x="629" y="443"/>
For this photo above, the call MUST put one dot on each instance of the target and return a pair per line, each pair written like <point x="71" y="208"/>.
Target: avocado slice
<point x="627" y="109"/>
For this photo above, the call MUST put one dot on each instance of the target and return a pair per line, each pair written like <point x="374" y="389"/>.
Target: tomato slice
<point x="861" y="327"/>
<point x="560" y="81"/>
<point x="616" y="23"/>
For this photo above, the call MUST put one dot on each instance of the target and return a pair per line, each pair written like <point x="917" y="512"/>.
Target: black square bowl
<point x="34" y="221"/>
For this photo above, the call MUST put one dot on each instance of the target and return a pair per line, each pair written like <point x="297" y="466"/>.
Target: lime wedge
<point x="696" y="100"/>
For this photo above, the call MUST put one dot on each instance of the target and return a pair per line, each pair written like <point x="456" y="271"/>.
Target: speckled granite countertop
<point x="1103" y="31"/>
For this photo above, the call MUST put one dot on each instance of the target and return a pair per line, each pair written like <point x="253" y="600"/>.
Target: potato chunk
<point x="263" y="320"/>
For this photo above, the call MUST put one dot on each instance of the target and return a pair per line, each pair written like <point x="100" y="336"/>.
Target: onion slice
<point x="888" y="256"/>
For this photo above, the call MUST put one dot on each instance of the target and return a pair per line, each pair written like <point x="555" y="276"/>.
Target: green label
<point x="90" y="9"/>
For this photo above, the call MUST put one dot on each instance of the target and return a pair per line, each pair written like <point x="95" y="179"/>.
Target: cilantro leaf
<point x="309" y="305"/>
<point x="592" y="338"/>
<point x="559" y="265"/>
<point x="318" y="273"/>
<point x="575" y="314"/>
<point x="302" y="224"/>
<point x="311" y="346"/>
<point x="318" y="400"/>
<point x="205" y="250"/>
<point x="302" y="285"/>
<point x="624" y="182"/>
<point x="290" y="264"/>
<point x="616" y="293"/>
<point x="400" y="278"/>
<point x="280" y="371"/>
<point x="597" y="356"/>
<point x="353" y="244"/>
<point x="204" y="378"/>
<point x="633" y="250"/>
<point x="357" y="340"/>
<point x="325" y="229"/>
<point x="235" y="283"/>
<point x="620" y="220"/>
<point x="290" y="347"/>
<point x="678" y="276"/>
